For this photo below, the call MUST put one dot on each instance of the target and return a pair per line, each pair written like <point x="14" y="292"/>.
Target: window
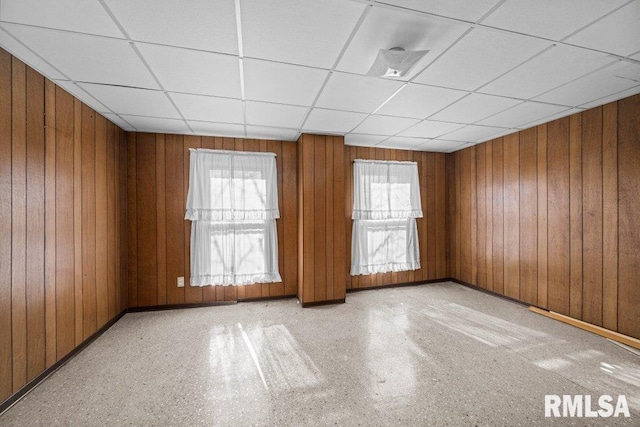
<point x="386" y="204"/>
<point x="233" y="206"/>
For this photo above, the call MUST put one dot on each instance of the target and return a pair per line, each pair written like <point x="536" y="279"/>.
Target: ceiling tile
<point x="384" y="28"/>
<point x="431" y="129"/>
<point x="87" y="58"/>
<point x="618" y="33"/>
<point x="440" y="146"/>
<point x="83" y="96"/>
<point x="616" y="78"/>
<point x="119" y="122"/>
<point x="157" y="125"/>
<point x="217" y="129"/>
<point x="488" y="53"/>
<point x="363" y="140"/>
<point x="473" y="108"/>
<point x="549" y="18"/>
<point x="384" y="125"/>
<point x="34" y="61"/>
<point x="274" y="115"/>
<point x="522" y="113"/>
<point x="419" y="101"/>
<point x="199" y="72"/>
<point x="352" y="92"/>
<point x="472" y="133"/>
<point x="614" y="97"/>
<point x="71" y="15"/>
<point x="401" y="143"/>
<point x="332" y="121"/>
<point x="551" y="118"/>
<point x="297" y="31"/>
<point x="203" y="24"/>
<point x="458" y="9"/>
<point x="282" y="83"/>
<point x="554" y="67"/>
<point x="263" y="132"/>
<point x="131" y="101"/>
<point x="209" y="108"/>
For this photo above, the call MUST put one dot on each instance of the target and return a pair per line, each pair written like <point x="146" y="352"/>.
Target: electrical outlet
<point x="181" y="282"/>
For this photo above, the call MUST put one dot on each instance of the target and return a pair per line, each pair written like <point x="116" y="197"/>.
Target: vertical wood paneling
<point x="610" y="216"/>
<point x="18" y="222"/>
<point x="102" y="299"/>
<point x="289" y="218"/>
<point x="432" y="228"/>
<point x="146" y="220"/>
<point x="50" y="224"/>
<point x="65" y="224"/>
<point x="162" y="246"/>
<point x="174" y="158"/>
<point x="512" y="216"/>
<point x="465" y="216"/>
<point x="111" y="218"/>
<point x="339" y="200"/>
<point x="307" y="212"/>
<point x="441" y="225"/>
<point x="561" y="221"/>
<point x="481" y="229"/>
<point x="41" y="218"/>
<point x="319" y="224"/>
<point x="558" y="216"/>
<point x="6" y="351"/>
<point x="77" y="219"/>
<point x="132" y="228"/>
<point x="89" y="300"/>
<point x="629" y="220"/>
<point x="473" y="215"/>
<point x="575" y="207"/>
<point x="329" y="207"/>
<point x="528" y="216"/>
<point x="498" y="215"/>
<point x="35" y="243"/>
<point x="542" y="215"/>
<point x="429" y="263"/>
<point x="489" y="207"/>
<point x="592" y="219"/>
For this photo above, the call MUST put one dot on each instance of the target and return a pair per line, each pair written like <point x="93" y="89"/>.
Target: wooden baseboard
<point x="607" y="333"/>
<point x="319" y="303"/>
<point x="15" y="397"/>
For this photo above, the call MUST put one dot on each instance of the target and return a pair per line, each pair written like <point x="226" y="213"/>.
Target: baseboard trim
<point x="273" y="298"/>
<point x="319" y="303"/>
<point x="594" y="329"/>
<point x="487" y="291"/>
<point x="164" y="307"/>
<point x="400" y="285"/>
<point x="15" y="397"/>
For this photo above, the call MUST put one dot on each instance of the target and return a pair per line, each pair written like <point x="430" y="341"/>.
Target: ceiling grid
<point x="245" y="68"/>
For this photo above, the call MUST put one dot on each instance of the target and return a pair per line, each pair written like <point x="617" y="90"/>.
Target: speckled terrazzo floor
<point x="439" y="354"/>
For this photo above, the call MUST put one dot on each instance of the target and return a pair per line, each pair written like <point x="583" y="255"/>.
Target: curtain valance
<point x="386" y="190"/>
<point x="231" y="185"/>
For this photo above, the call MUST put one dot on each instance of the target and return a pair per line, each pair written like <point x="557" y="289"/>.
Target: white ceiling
<point x="274" y="69"/>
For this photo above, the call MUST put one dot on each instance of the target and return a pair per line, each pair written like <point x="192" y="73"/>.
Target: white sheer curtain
<point x="386" y="203"/>
<point x="233" y="205"/>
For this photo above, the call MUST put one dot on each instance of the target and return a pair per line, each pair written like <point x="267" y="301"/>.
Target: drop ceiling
<point x="275" y="69"/>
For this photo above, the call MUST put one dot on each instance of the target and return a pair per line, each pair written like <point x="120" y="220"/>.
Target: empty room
<point x="336" y="212"/>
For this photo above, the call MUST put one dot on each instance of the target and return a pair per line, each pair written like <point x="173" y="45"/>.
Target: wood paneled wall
<point x="321" y="227"/>
<point x="159" y="236"/>
<point x="62" y="215"/>
<point x="550" y="215"/>
<point x="431" y="227"/>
